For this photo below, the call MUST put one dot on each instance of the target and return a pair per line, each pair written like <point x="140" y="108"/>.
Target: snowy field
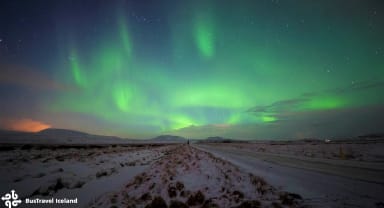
<point x="197" y="175"/>
<point x="82" y="171"/>
<point x="346" y="174"/>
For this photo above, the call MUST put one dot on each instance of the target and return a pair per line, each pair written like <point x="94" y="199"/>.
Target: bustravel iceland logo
<point x="11" y="199"/>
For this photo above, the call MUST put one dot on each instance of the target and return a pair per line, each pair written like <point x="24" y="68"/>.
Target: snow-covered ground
<point x="188" y="177"/>
<point x="370" y="151"/>
<point x="82" y="172"/>
<point x="135" y="176"/>
<point x="322" y="181"/>
<point x="198" y="175"/>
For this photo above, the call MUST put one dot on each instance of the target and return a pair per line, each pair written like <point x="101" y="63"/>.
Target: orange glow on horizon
<point x="25" y="124"/>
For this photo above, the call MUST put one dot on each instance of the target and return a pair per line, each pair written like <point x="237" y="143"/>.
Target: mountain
<point x="169" y="138"/>
<point x="218" y="139"/>
<point x="57" y="136"/>
<point x="51" y="132"/>
<point x="372" y="136"/>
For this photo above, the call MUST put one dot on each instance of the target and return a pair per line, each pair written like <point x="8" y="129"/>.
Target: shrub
<point x="177" y="204"/>
<point x="195" y="199"/>
<point x="157" y="202"/>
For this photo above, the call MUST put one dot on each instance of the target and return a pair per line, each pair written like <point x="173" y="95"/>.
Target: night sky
<point x="238" y="69"/>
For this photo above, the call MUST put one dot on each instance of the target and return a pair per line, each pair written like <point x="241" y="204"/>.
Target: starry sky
<point x="247" y="69"/>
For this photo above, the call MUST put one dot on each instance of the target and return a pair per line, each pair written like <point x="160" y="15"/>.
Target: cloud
<point x="316" y="114"/>
<point x="27" y="77"/>
<point x="336" y="123"/>
<point x="354" y="86"/>
<point x="291" y="105"/>
<point x="24" y="124"/>
<point x="280" y="106"/>
<point x="202" y="131"/>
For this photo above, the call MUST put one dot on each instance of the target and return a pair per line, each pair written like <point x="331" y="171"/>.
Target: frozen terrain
<point x="188" y="177"/>
<point x="148" y="175"/>
<point x="325" y="175"/>
<point x="277" y="174"/>
<point x="83" y="171"/>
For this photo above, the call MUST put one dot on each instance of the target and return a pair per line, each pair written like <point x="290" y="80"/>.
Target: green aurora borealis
<point x="247" y="69"/>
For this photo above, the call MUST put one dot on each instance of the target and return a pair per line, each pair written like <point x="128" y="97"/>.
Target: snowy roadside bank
<point x="317" y="188"/>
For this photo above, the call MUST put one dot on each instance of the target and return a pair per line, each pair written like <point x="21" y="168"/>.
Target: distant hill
<point x="169" y="138"/>
<point x="62" y="132"/>
<point x="75" y="135"/>
<point x="57" y="136"/>
<point x="372" y="136"/>
<point x="217" y="139"/>
<point x="4" y="133"/>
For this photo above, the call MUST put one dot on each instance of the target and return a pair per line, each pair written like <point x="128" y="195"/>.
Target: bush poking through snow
<point x="152" y="186"/>
<point x="179" y="186"/>
<point x="172" y="191"/>
<point x="209" y="204"/>
<point x="146" y="197"/>
<point x="250" y="204"/>
<point x="101" y="173"/>
<point x="261" y="185"/>
<point x="289" y="198"/>
<point x="238" y="195"/>
<point x="195" y="199"/>
<point x="177" y="204"/>
<point x="276" y="205"/>
<point x="157" y="202"/>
